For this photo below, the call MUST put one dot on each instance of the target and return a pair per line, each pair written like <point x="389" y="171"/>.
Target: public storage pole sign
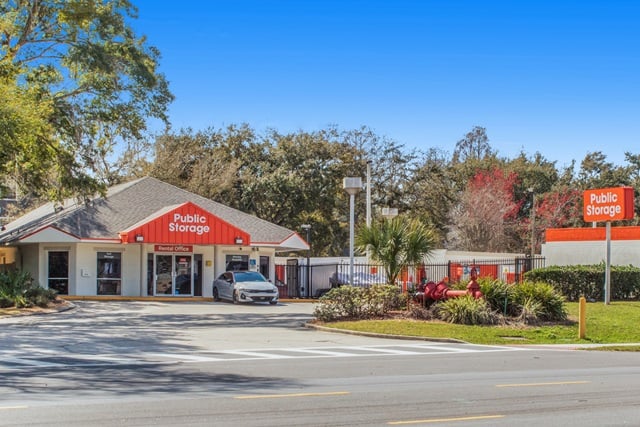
<point x="608" y="204"/>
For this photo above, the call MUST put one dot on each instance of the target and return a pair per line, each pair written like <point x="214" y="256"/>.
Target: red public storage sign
<point x="186" y="224"/>
<point x="608" y="204"/>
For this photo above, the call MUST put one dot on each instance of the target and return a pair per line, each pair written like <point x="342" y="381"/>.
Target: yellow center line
<point x="277" y="396"/>
<point x="444" y="420"/>
<point x="13" y="407"/>
<point x="542" y="384"/>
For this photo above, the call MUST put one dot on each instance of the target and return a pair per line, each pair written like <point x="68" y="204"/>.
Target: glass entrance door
<point x="164" y="275"/>
<point x="58" y="272"/>
<point x="184" y="279"/>
<point x="174" y="274"/>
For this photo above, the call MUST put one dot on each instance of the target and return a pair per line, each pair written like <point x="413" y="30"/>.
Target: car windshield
<point x="249" y="276"/>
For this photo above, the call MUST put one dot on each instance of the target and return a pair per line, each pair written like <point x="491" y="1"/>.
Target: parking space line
<point x="386" y="350"/>
<point x="258" y="355"/>
<point x="185" y="357"/>
<point x="320" y="352"/>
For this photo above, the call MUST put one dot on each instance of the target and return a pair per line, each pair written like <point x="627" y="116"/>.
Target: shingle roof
<point x="128" y="204"/>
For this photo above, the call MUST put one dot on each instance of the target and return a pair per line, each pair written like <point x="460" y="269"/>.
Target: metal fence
<point x="299" y="280"/>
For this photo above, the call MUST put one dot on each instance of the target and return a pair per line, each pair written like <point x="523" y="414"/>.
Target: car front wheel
<point x="216" y="296"/>
<point x="235" y="297"/>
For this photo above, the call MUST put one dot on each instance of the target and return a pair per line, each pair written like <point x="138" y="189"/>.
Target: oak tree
<point x="84" y="88"/>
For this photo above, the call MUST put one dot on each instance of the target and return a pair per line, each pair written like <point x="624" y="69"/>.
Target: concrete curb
<point x="60" y="308"/>
<point x="377" y="335"/>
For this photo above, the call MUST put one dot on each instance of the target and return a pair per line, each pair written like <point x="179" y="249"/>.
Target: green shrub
<point x="548" y="302"/>
<point x="39" y="296"/>
<point x="6" y="302"/>
<point x="531" y="311"/>
<point x="380" y="299"/>
<point x="500" y="296"/>
<point x="466" y="310"/>
<point x="528" y="302"/>
<point x="13" y="285"/>
<point x="343" y="302"/>
<point x="350" y="302"/>
<point x="17" y="288"/>
<point x="574" y="281"/>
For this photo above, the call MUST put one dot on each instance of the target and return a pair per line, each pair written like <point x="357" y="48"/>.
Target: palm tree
<point x="396" y="243"/>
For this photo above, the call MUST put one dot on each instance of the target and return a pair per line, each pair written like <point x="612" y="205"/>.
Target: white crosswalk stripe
<point x="13" y="361"/>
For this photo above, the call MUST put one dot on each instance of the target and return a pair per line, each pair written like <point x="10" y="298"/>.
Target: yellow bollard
<point x="582" y="324"/>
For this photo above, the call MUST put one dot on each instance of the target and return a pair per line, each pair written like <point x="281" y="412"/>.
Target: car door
<point x="225" y="282"/>
<point x="219" y="284"/>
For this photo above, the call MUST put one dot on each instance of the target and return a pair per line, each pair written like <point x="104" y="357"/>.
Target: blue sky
<point x="557" y="77"/>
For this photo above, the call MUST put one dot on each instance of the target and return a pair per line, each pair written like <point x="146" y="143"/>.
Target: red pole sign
<point x="608" y="204"/>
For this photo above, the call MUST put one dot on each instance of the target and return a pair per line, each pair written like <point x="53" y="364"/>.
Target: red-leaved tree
<point x="557" y="209"/>
<point x="486" y="212"/>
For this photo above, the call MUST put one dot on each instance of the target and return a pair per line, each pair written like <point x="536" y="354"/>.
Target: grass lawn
<point x="616" y="323"/>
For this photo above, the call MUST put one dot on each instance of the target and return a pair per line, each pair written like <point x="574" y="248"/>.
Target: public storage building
<point x="145" y="238"/>
<point x="583" y="246"/>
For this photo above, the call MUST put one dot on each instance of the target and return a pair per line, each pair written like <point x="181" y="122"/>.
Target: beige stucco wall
<point x="83" y="265"/>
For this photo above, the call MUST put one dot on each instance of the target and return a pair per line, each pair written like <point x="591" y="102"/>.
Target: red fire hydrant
<point x="473" y="288"/>
<point x="437" y="291"/>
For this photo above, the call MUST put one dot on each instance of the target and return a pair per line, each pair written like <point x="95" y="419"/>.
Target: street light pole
<point x="533" y="225"/>
<point x="369" y="193"/>
<point x="352" y="186"/>
<point x="307" y="228"/>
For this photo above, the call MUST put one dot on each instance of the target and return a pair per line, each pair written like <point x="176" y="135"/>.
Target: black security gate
<point x="301" y="281"/>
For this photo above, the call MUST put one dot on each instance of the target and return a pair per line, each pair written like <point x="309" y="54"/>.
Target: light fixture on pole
<point x="352" y="186"/>
<point x="307" y="228"/>
<point x="389" y="213"/>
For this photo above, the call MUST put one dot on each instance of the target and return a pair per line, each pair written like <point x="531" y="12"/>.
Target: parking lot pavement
<point x="155" y="324"/>
<point x="127" y="327"/>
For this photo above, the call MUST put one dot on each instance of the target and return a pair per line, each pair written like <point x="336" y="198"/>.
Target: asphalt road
<point x="204" y="364"/>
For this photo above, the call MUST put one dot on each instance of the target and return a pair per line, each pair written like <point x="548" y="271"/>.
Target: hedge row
<point x="574" y="281"/>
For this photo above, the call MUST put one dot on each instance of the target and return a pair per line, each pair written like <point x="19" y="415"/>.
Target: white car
<point x="244" y="286"/>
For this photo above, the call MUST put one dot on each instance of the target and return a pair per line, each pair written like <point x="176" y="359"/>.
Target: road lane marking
<point x="444" y="420"/>
<point x="3" y="408"/>
<point x="543" y="384"/>
<point x="279" y="396"/>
